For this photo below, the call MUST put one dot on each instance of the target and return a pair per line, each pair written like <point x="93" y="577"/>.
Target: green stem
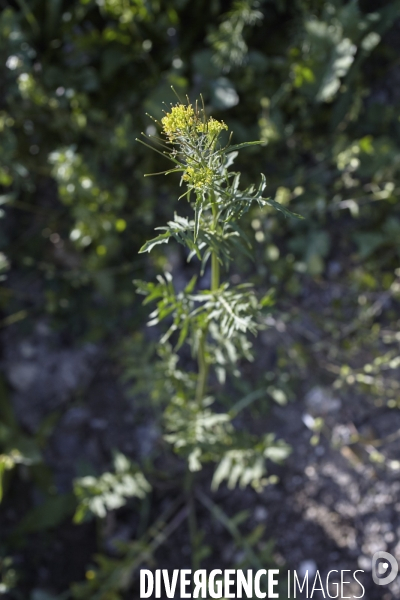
<point x="203" y="368"/>
<point x="214" y="258"/>
<point x="215" y="279"/>
<point x="192" y="521"/>
<point x="214" y="272"/>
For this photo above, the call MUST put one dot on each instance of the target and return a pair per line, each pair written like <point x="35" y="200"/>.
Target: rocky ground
<point x="336" y="503"/>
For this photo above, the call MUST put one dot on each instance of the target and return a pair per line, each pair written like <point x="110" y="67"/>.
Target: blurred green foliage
<point x="108" y="492"/>
<point x="312" y="79"/>
<point x="317" y="81"/>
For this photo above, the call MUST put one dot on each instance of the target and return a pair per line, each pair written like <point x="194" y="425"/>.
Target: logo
<point x="384" y="568"/>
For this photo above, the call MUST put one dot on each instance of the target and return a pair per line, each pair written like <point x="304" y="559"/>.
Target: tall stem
<point x="203" y="368"/>
<point x="214" y="272"/>
<point x="215" y="278"/>
<point x="214" y="257"/>
<point x="192" y="521"/>
<point x="200" y="393"/>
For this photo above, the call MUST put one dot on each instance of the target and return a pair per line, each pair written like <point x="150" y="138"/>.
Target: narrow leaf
<point x="160" y="239"/>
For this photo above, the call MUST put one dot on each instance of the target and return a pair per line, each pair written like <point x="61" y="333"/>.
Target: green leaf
<point x="163" y="238"/>
<point x="97" y="495"/>
<point x="281" y="208"/>
<point x="244" y="145"/>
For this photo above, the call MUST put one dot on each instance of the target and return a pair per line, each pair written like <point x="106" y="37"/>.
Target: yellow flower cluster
<point x="179" y="120"/>
<point x="198" y="177"/>
<point x="212" y="127"/>
<point x="183" y="118"/>
<point x="182" y="125"/>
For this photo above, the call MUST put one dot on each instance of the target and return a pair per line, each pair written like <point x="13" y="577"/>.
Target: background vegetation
<point x="319" y="83"/>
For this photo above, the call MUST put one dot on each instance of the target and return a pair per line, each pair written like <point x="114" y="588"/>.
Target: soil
<point x="332" y="508"/>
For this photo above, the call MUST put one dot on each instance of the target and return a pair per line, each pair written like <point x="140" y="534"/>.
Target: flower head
<point x="179" y="121"/>
<point x="183" y="120"/>
<point x="212" y="127"/>
<point x="198" y="177"/>
<point x="196" y="136"/>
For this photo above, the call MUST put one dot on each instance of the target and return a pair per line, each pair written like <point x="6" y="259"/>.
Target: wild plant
<point x="214" y="323"/>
